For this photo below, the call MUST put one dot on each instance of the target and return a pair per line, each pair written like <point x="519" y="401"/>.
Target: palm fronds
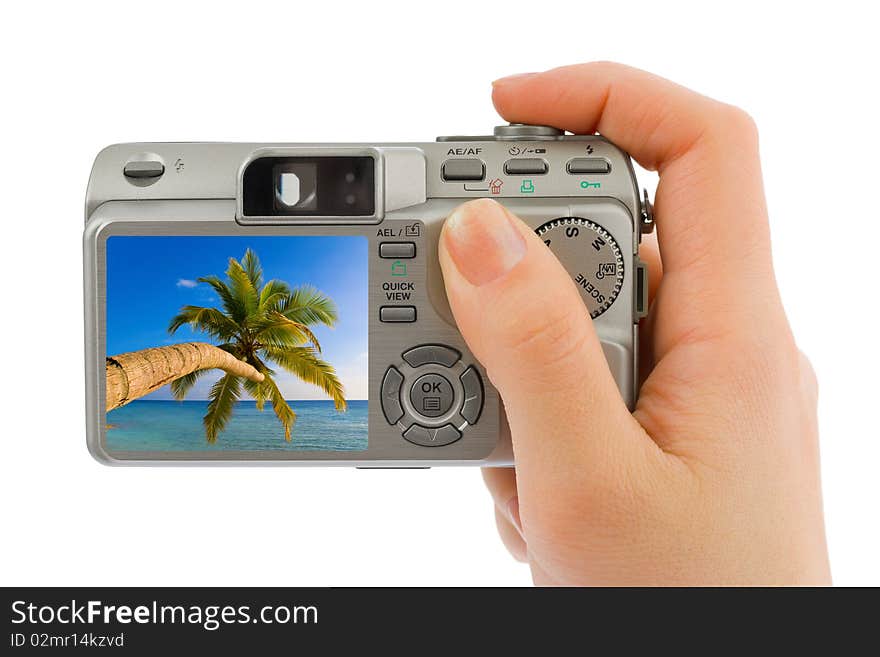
<point x="278" y="331"/>
<point x="251" y="265"/>
<point x="224" y="394"/>
<point x="231" y="304"/>
<point x="243" y="289"/>
<point x="282" y="410"/>
<point x="273" y="293"/>
<point x="181" y="386"/>
<point x="309" y="367"/>
<point x="207" y="320"/>
<point x="307" y="305"/>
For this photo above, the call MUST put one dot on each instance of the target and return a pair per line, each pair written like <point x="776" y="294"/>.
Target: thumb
<point x="524" y="319"/>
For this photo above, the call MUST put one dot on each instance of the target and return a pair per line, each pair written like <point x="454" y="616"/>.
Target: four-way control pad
<point x="432" y="396"/>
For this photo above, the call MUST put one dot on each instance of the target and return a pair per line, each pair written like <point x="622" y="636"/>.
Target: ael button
<point x="397" y="250"/>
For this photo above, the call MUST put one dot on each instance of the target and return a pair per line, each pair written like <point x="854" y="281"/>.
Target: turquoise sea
<point x="167" y="426"/>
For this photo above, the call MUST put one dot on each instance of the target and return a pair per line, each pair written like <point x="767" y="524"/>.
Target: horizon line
<point x="237" y="401"/>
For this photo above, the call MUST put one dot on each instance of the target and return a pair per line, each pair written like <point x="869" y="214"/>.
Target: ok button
<point x="432" y="395"/>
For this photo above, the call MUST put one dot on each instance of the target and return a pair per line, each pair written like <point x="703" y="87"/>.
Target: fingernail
<point x="513" y="513"/>
<point x="512" y="78"/>
<point x="482" y="241"/>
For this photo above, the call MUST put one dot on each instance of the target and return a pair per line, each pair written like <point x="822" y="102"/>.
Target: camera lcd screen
<point x="227" y="343"/>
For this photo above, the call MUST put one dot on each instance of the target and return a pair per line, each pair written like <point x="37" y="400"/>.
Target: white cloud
<point x="186" y="282"/>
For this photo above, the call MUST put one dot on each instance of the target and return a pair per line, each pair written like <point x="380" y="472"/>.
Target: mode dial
<point x="590" y="255"/>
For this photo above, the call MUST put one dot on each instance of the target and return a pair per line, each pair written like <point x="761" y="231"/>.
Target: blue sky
<point x="149" y="278"/>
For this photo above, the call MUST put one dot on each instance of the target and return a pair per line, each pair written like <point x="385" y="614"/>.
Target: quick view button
<point x="397" y="314"/>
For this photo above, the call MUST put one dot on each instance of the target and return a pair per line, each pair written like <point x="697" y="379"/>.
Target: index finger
<point x="655" y="120"/>
<point x="710" y="210"/>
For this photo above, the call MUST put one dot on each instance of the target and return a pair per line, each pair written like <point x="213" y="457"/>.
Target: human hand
<point x="714" y="478"/>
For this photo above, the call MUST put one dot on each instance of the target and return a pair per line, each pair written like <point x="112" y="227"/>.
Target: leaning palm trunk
<point x="137" y="373"/>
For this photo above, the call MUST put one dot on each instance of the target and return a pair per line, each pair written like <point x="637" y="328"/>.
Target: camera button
<point x="463" y="169"/>
<point x="397" y="314"/>
<point x="595" y="165"/>
<point x="526" y="166"/>
<point x="401" y="250"/>
<point x="473" y="395"/>
<point x="431" y="354"/>
<point x="432" y="395"/>
<point x="391" y="407"/>
<point x="527" y="131"/>
<point x="143" y="169"/>
<point x="419" y="435"/>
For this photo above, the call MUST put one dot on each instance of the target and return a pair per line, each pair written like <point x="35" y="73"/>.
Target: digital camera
<point x="284" y="304"/>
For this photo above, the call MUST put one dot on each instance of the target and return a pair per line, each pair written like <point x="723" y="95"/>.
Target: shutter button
<point x="524" y="131"/>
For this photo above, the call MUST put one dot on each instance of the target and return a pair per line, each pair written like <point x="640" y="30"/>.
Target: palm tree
<point x="260" y="324"/>
<point x="132" y="375"/>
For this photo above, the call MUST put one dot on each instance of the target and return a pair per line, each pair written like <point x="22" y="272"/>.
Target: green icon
<point x="398" y="268"/>
<point x="586" y="184"/>
<point x="527" y="186"/>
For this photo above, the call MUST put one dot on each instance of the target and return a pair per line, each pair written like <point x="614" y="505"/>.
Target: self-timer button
<point x="526" y="166"/>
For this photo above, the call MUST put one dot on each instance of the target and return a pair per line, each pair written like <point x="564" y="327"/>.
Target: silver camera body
<point x="428" y="401"/>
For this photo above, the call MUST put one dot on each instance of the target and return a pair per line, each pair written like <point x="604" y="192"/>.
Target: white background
<point x="78" y="76"/>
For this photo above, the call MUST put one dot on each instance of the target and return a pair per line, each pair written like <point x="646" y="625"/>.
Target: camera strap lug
<point x="647" y="215"/>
